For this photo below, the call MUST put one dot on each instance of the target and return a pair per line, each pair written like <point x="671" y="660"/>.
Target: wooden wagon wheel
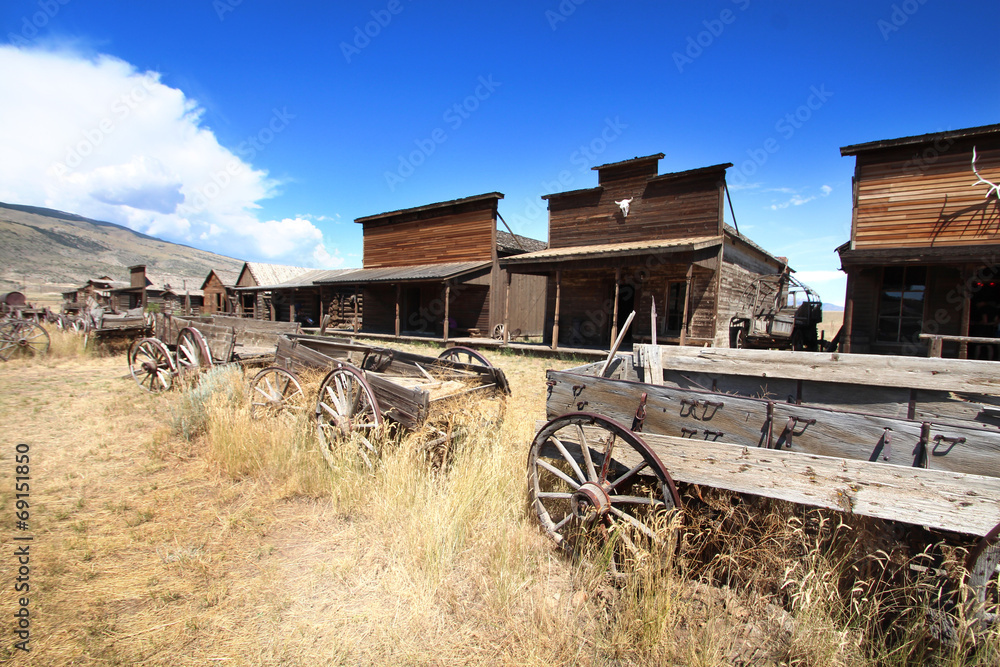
<point x="192" y="350"/>
<point x="498" y="331"/>
<point x="275" y="390"/>
<point x="346" y="410"/>
<point x="24" y="338"/>
<point x="464" y="355"/>
<point x="595" y="484"/>
<point x="151" y="365"/>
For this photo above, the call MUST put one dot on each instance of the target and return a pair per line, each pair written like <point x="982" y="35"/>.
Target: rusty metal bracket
<point x="884" y="447"/>
<point x="789" y="430"/>
<point x="951" y="441"/>
<point x="686" y="432"/>
<point x="694" y="404"/>
<point x="578" y="389"/>
<point x="715" y="435"/>
<point x="920" y="451"/>
<point x="640" y="414"/>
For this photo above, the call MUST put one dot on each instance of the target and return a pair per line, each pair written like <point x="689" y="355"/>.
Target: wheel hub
<point x="149" y="368"/>
<point x="590" y="499"/>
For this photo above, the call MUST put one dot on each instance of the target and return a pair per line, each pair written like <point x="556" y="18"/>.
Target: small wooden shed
<point x="637" y="238"/>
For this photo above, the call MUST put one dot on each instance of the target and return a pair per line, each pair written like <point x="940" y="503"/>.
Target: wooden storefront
<point x="924" y="253"/>
<point x="435" y="270"/>
<point x="670" y="247"/>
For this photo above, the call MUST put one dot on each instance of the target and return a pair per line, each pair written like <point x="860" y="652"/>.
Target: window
<point x="901" y="303"/>
<point x="675" y="306"/>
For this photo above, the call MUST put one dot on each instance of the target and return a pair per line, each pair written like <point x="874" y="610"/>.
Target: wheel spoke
<point x="629" y="475"/>
<point x="569" y="459"/>
<point x="585" y="448"/>
<point x="635" y="522"/>
<point x="558" y="473"/>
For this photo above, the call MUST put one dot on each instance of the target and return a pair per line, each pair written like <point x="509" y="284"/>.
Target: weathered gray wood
<point x="705" y="416"/>
<point x="406" y="405"/>
<point x="960" y="375"/>
<point x="964" y="503"/>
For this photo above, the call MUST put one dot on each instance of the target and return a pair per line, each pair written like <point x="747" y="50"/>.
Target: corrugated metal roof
<point x="407" y="273"/>
<point x="614" y="250"/>
<point x="273" y="274"/>
<point x="507" y="242"/>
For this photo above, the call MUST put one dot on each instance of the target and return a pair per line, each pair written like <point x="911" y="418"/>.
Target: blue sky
<point x="262" y="129"/>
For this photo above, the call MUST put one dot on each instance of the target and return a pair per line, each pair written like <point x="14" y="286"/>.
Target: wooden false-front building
<point x="924" y="253"/>
<point x="165" y="293"/>
<point x="435" y="271"/>
<point x="670" y="246"/>
<point x="219" y="290"/>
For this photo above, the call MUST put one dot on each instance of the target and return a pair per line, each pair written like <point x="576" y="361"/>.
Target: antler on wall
<point x="994" y="188"/>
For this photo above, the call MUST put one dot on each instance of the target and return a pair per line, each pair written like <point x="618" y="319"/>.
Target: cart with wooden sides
<point x="909" y="440"/>
<point x="367" y="387"/>
<point x="183" y="345"/>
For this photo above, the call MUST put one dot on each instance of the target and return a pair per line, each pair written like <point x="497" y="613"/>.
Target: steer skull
<point x="623" y="205"/>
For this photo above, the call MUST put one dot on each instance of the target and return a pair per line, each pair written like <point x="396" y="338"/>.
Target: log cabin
<point x="924" y="252"/>
<point x="166" y="293"/>
<point x="434" y="270"/>
<point x="640" y="238"/>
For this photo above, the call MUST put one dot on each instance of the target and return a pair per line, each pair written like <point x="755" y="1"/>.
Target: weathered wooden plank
<point x="705" y="416"/>
<point x="964" y="503"/>
<point x="958" y="375"/>
<point x="406" y="405"/>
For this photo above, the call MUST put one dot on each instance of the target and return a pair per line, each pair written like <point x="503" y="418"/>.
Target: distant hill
<point x="41" y="246"/>
<point x="832" y="307"/>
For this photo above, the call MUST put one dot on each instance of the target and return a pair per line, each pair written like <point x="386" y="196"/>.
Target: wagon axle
<point x="591" y="499"/>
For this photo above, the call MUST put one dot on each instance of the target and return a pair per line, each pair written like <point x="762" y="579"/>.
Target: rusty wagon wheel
<point x="597" y="488"/>
<point x="346" y="411"/>
<point x="192" y="350"/>
<point x="464" y="355"/>
<point x="151" y="365"/>
<point x="275" y="390"/>
<point x="22" y="338"/>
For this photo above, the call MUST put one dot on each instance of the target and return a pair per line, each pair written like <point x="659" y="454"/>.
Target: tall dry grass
<point x="450" y="568"/>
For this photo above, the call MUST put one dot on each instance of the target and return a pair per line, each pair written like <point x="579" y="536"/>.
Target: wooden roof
<point x="515" y="243"/>
<point x="659" y="178"/>
<point x="969" y="132"/>
<point x="310" y="278"/>
<point x="420" y="272"/>
<point x="272" y="274"/>
<point x="623" y="163"/>
<point x="438" y="208"/>
<point x="614" y="250"/>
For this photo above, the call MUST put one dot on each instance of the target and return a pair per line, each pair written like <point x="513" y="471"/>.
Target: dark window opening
<point x="675" y="307"/>
<point x="901" y="304"/>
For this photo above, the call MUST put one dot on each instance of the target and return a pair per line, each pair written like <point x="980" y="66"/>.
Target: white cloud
<point x="96" y="137"/>
<point x="826" y="190"/>
<point x="796" y="200"/>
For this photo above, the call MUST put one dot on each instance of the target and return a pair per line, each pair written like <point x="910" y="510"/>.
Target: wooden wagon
<point x="903" y="439"/>
<point x="184" y="344"/>
<point x="365" y="387"/>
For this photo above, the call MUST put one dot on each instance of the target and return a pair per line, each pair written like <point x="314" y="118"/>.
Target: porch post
<point x="963" y="347"/>
<point x="687" y="301"/>
<point x="447" y="298"/>
<point x="614" y="310"/>
<point x="506" y="311"/>
<point x="555" y="321"/>
<point x="355" y="309"/>
<point x="291" y="307"/>
<point x="399" y="289"/>
<point x="845" y="338"/>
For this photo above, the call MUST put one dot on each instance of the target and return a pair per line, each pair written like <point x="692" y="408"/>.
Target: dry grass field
<point x="173" y="530"/>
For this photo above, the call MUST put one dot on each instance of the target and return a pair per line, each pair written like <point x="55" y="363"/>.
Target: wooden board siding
<point x="906" y="201"/>
<point x="741" y="265"/>
<point x="469" y="308"/>
<point x="462" y="237"/>
<point x="380" y="308"/>
<point x="216" y="300"/>
<point x="527" y="303"/>
<point x="680" y="208"/>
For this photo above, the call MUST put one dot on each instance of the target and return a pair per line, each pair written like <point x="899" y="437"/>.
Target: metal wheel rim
<point x="192" y="350"/>
<point x="151" y="365"/>
<point x="346" y="408"/>
<point x="465" y="355"/>
<point x="274" y="391"/>
<point x="581" y="503"/>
